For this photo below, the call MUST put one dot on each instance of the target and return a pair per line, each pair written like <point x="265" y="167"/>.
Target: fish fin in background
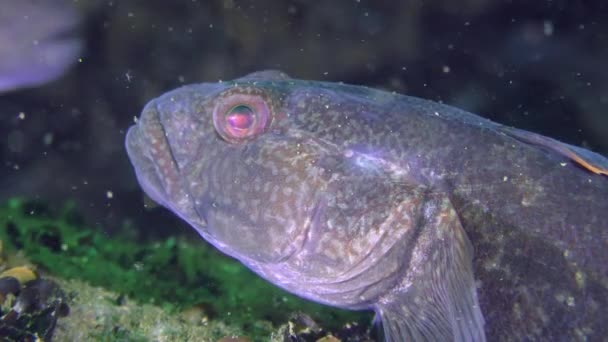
<point x="39" y="41"/>
<point x="437" y="298"/>
<point x="588" y="160"/>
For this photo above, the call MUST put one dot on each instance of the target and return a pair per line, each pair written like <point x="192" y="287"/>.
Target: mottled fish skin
<point x="39" y="41"/>
<point x="449" y="226"/>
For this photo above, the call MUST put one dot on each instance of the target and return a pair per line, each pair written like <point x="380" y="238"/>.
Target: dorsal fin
<point x="267" y="75"/>
<point x="589" y="160"/>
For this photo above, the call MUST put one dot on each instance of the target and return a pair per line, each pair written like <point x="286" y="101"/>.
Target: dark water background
<point x="537" y="65"/>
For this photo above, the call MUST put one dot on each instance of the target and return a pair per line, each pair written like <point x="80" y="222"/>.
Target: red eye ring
<point x="240" y="117"/>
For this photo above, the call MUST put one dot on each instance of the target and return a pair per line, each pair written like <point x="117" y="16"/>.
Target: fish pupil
<point x="240" y="117"/>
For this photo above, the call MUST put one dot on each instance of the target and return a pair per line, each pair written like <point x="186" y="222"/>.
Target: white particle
<point x="47" y="139"/>
<point x="548" y="28"/>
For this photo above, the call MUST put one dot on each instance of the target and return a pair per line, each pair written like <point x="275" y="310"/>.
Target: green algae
<point x="175" y="274"/>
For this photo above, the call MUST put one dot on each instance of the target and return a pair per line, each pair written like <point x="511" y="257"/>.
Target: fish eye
<point x="240" y="117"/>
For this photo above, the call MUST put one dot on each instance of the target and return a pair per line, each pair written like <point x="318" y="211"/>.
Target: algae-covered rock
<point x="99" y="314"/>
<point x="124" y="288"/>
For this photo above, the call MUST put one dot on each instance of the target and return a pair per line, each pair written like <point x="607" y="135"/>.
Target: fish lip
<point x="156" y="169"/>
<point x="149" y="181"/>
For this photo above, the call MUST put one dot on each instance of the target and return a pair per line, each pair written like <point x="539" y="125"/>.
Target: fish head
<point x="230" y="160"/>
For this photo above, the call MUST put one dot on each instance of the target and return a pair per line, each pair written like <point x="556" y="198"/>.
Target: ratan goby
<point x="447" y="225"/>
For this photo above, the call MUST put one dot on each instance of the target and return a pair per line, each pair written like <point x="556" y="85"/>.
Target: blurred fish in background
<point x="39" y="41"/>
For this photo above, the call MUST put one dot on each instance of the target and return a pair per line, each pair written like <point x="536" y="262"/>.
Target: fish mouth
<point x="145" y="170"/>
<point x="155" y="167"/>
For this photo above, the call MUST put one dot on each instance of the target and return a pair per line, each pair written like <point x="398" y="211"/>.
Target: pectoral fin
<point x="437" y="298"/>
<point x="589" y="160"/>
